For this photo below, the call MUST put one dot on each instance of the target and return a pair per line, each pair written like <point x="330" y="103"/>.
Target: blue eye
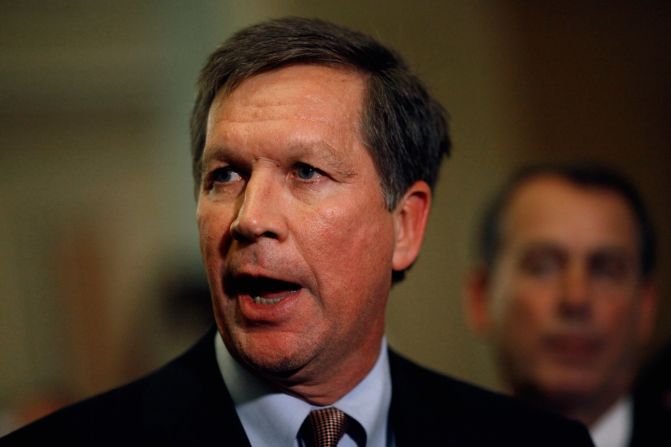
<point x="224" y="175"/>
<point x="306" y="172"/>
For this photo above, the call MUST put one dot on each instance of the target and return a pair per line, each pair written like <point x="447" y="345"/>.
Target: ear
<point x="648" y="297"/>
<point x="410" y="217"/>
<point x="476" y="303"/>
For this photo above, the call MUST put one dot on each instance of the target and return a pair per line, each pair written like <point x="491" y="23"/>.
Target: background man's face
<point x="567" y="305"/>
<point x="295" y="236"/>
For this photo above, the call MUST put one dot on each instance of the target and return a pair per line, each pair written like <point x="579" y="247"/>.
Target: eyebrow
<point x="213" y="153"/>
<point x="298" y="151"/>
<point x="322" y="151"/>
<point x="601" y="250"/>
<point x="217" y="153"/>
<point x="619" y="252"/>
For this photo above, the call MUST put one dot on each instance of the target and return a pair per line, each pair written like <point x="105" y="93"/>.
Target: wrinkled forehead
<point x="306" y="93"/>
<point x="320" y="82"/>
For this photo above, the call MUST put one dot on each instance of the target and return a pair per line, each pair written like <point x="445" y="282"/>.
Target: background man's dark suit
<point x="652" y="402"/>
<point x="187" y="403"/>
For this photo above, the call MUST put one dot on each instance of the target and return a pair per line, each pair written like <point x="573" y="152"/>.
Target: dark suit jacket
<point x="186" y="403"/>
<point x="652" y="421"/>
<point x="652" y="402"/>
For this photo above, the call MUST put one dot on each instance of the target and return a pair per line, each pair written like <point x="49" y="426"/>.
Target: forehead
<point x="309" y="92"/>
<point x="289" y="112"/>
<point x="551" y="209"/>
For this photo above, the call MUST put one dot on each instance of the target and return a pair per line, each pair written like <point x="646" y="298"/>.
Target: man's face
<point x="567" y="307"/>
<point x="294" y="232"/>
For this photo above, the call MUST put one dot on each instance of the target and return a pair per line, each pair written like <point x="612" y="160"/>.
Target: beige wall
<point x="96" y="211"/>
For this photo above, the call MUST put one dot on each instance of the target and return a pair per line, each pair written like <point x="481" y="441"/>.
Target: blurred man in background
<point x="565" y="294"/>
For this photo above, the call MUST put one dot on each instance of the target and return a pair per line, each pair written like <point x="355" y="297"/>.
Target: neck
<point x="307" y="383"/>
<point x="315" y="386"/>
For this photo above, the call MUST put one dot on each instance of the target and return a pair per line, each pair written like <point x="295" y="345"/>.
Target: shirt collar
<point x="271" y="417"/>
<point x="614" y="427"/>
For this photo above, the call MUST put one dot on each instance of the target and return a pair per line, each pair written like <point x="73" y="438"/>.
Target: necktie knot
<point x="328" y="426"/>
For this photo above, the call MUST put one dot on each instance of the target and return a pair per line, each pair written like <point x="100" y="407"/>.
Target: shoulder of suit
<point x="110" y="417"/>
<point x="478" y="414"/>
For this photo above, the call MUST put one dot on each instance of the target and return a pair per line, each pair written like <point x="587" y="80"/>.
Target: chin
<point x="570" y="386"/>
<point x="279" y="367"/>
<point x="270" y="354"/>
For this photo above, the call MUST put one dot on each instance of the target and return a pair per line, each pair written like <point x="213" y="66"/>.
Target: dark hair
<point x="404" y="129"/>
<point x="588" y="175"/>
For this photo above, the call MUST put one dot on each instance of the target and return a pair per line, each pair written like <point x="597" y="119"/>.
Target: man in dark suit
<point x="566" y="295"/>
<point x="315" y="151"/>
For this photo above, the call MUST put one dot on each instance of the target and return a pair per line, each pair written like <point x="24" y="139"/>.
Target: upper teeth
<point x="262" y="300"/>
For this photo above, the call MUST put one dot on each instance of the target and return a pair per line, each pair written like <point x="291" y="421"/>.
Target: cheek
<point x="355" y="234"/>
<point x="619" y="318"/>
<point x="523" y="313"/>
<point x="618" y="325"/>
<point x="213" y="229"/>
<point x="349" y="243"/>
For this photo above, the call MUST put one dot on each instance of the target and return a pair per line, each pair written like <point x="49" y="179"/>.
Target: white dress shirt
<point x="272" y="418"/>
<point x="613" y="429"/>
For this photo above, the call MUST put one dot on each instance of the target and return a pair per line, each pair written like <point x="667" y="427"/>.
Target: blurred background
<point x="100" y="275"/>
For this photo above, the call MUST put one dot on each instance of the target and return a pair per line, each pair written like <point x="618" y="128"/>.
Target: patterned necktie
<point x="328" y="426"/>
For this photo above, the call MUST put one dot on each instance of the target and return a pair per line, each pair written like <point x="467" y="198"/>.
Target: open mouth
<point x="263" y="290"/>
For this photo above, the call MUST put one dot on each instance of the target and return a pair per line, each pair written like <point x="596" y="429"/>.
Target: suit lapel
<point x="417" y="417"/>
<point x="405" y="413"/>
<point x="188" y="401"/>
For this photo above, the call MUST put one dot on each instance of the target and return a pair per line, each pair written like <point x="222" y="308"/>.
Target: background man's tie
<point x="328" y="426"/>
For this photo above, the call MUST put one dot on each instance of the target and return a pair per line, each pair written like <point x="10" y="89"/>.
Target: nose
<point x="260" y="213"/>
<point x="576" y="298"/>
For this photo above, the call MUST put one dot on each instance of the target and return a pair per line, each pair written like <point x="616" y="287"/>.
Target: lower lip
<point x="280" y="307"/>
